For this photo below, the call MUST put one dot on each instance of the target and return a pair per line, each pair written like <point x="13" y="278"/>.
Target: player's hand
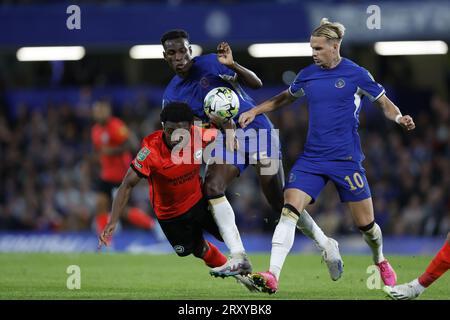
<point x="105" y="237"/>
<point x="407" y="122"/>
<point x="224" y="54"/>
<point x="246" y="118"/>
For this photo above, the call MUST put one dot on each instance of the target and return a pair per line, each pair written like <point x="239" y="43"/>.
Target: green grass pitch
<point x="125" y="276"/>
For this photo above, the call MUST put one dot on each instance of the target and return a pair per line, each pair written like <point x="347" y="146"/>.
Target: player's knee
<point x="214" y="188"/>
<point x="297" y="198"/>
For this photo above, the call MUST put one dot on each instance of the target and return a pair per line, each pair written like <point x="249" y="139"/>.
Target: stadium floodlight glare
<point x="273" y="50"/>
<point x="155" y="51"/>
<point x="50" y="53"/>
<point x="406" y="48"/>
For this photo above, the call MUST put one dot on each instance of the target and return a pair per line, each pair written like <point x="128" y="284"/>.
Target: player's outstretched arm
<point x="246" y="76"/>
<point x="392" y="112"/>
<point x="280" y="100"/>
<point x="119" y="203"/>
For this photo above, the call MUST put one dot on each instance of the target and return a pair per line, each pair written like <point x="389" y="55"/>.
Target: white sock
<point x="282" y="241"/>
<point x="224" y="216"/>
<point x="308" y="226"/>
<point x="374" y="239"/>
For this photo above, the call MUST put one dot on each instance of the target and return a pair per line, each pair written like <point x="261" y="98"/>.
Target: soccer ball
<point x="221" y="104"/>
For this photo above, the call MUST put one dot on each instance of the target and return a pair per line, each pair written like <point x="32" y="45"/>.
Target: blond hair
<point x="329" y="30"/>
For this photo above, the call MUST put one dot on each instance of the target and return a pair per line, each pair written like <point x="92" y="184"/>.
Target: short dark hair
<point x="174" y="34"/>
<point x="177" y="112"/>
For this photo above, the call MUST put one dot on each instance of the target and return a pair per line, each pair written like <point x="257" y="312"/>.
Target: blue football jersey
<point x="206" y="74"/>
<point x="334" y="102"/>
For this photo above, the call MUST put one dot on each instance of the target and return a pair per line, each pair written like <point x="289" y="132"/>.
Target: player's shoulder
<point x="306" y="72"/>
<point x="352" y="65"/>
<point x="153" y="138"/>
<point x="153" y="141"/>
<point x="206" y="57"/>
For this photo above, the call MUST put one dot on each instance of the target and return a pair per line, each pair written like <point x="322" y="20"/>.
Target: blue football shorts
<point x="311" y="176"/>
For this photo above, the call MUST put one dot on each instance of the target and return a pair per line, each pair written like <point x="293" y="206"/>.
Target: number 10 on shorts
<point x="357" y="179"/>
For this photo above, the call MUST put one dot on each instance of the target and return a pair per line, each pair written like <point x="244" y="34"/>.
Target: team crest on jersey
<point x="292" y="177"/>
<point x="340" y="83"/>
<point x="204" y="82"/>
<point x="143" y="154"/>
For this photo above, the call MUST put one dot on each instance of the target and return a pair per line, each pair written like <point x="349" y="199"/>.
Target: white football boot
<point x="236" y="264"/>
<point x="407" y="291"/>
<point x="333" y="259"/>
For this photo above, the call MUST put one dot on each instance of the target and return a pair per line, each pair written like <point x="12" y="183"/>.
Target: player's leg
<point x="283" y="238"/>
<point x="213" y="258"/>
<point x="295" y="201"/>
<point x="305" y="176"/>
<point x="351" y="183"/>
<point x="186" y="237"/>
<point x="271" y="175"/>
<point x="272" y="186"/>
<point x="209" y="253"/>
<point x="179" y="233"/>
<point x="217" y="179"/>
<point x="302" y="189"/>
<point x="437" y="267"/>
<point x="204" y="219"/>
<point x="363" y="216"/>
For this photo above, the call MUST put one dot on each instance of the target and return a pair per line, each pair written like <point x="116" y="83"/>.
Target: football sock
<point x="308" y="226"/>
<point x="224" y="216"/>
<point x="283" y="239"/>
<point x="213" y="257"/>
<point x="374" y="238"/>
<point x="101" y="220"/>
<point x="139" y="218"/>
<point x="437" y="267"/>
